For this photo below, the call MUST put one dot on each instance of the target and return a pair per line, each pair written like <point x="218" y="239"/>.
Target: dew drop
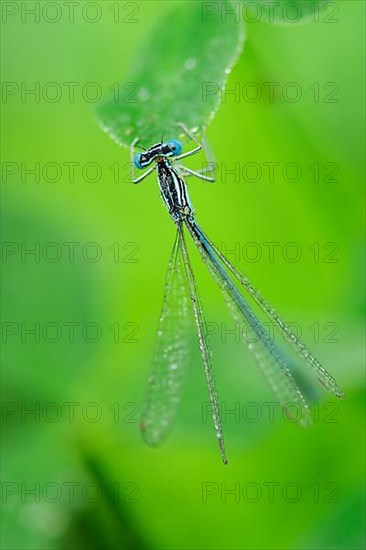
<point x="190" y="63"/>
<point x="144" y="94"/>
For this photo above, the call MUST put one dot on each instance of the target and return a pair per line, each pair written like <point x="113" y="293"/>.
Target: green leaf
<point x="178" y="77"/>
<point x="288" y="11"/>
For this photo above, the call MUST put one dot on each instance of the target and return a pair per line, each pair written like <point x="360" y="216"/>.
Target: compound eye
<point x="137" y="161"/>
<point x="175" y="146"/>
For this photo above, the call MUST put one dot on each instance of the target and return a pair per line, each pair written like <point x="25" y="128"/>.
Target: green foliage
<point x="177" y="77"/>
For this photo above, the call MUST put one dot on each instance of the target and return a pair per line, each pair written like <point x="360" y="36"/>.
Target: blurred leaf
<point x="178" y="77"/>
<point x="107" y="523"/>
<point x="290" y="12"/>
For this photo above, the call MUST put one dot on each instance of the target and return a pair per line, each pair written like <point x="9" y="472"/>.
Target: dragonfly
<point x="171" y="357"/>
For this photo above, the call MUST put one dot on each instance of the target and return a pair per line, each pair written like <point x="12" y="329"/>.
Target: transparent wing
<point x="316" y="369"/>
<point x="204" y="346"/>
<point x="171" y="357"/>
<point x="274" y="365"/>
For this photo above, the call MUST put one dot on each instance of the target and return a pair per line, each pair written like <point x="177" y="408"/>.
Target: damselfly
<point x="171" y="358"/>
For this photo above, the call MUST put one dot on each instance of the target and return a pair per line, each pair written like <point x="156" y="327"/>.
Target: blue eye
<point x="136" y="161"/>
<point x="175" y="146"/>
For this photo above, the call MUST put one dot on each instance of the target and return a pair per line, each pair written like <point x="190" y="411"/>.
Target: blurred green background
<point x="176" y="497"/>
